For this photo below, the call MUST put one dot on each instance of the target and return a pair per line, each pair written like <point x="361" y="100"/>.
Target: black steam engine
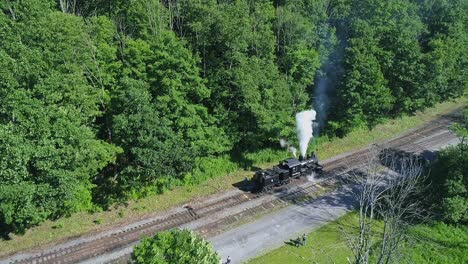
<point x="285" y="171"/>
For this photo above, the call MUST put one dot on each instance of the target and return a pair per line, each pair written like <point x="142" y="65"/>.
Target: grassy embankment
<point x="82" y="223"/>
<point x="437" y="244"/>
<point x="325" y="245"/>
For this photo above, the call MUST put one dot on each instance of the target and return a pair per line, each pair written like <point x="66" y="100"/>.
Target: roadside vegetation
<point x="104" y="102"/>
<point x="174" y="246"/>
<point x="86" y="222"/>
<point x="449" y="178"/>
<point x="436" y="243"/>
<point x="423" y="220"/>
<point x="325" y="245"/>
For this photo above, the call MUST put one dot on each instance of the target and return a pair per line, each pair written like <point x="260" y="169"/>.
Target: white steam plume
<point x="285" y="144"/>
<point x="293" y="150"/>
<point x="304" y="121"/>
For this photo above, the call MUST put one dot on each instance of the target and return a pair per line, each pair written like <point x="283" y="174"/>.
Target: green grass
<point x="436" y="244"/>
<point x="324" y="245"/>
<point x="362" y="137"/>
<point x="83" y="223"/>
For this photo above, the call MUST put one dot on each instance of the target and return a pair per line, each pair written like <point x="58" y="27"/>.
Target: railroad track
<point x="110" y="242"/>
<point x="404" y="142"/>
<point x="296" y="196"/>
<point x="85" y="250"/>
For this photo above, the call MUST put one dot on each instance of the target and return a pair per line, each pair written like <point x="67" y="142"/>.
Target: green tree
<point x="444" y="44"/>
<point x="47" y="110"/>
<point x="449" y="178"/>
<point x="397" y="27"/>
<point x="450" y="185"/>
<point x="364" y="97"/>
<point x="154" y="155"/>
<point x="169" y="88"/>
<point x="249" y="94"/>
<point x="161" y="120"/>
<point x="175" y="246"/>
<point x="461" y="129"/>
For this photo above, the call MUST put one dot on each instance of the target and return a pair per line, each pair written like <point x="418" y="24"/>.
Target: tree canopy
<point x="174" y="246"/>
<point x="103" y="101"/>
<point x="449" y="178"/>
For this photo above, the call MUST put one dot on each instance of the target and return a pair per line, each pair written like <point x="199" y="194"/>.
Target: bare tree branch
<point x="385" y="186"/>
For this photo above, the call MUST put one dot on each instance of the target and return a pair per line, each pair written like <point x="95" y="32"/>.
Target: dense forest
<point x="108" y="100"/>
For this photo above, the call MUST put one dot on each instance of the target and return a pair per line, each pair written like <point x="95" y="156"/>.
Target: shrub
<point x="210" y="167"/>
<point x="450" y="184"/>
<point x="175" y="246"/>
<point x="437" y="243"/>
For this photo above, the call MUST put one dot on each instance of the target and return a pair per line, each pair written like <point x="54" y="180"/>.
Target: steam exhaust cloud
<point x="304" y="123"/>
<point x="285" y="144"/>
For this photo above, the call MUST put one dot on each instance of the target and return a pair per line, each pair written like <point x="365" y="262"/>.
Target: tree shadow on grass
<point x="5" y="231"/>
<point x="438" y="242"/>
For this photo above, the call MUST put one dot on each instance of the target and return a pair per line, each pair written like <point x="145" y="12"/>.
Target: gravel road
<point x="271" y="231"/>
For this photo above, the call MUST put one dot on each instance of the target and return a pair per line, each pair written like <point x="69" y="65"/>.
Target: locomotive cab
<point x="293" y="166"/>
<point x="265" y="179"/>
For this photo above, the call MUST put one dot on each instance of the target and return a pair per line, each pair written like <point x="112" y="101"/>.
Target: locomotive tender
<point x="285" y="171"/>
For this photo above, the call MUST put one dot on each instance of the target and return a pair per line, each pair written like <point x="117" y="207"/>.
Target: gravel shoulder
<point x="272" y="231"/>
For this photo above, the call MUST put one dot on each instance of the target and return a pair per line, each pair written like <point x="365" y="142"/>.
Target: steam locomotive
<point x="285" y="171"/>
